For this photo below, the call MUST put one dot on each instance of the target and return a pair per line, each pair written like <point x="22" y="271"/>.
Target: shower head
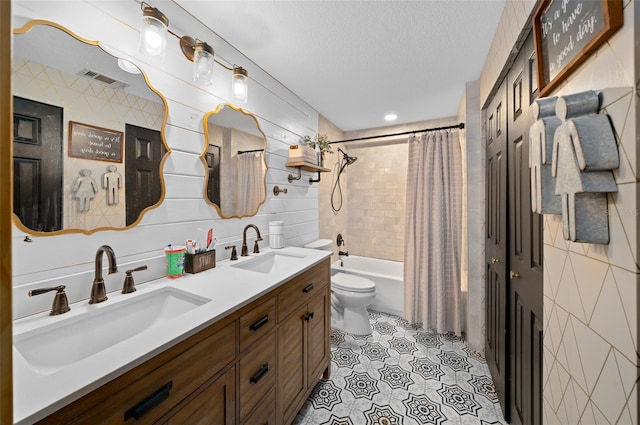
<point x="348" y="160"/>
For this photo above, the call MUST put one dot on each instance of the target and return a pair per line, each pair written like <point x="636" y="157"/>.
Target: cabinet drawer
<point x="257" y="374"/>
<point x="256" y="323"/>
<point x="154" y="391"/>
<point x="213" y="405"/>
<point x="265" y="413"/>
<point x="302" y="288"/>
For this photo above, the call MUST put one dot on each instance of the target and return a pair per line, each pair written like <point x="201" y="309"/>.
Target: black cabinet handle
<point x="259" y="374"/>
<point x="148" y="403"/>
<point x="260" y="323"/>
<point x="308" y="316"/>
<point x="308" y="288"/>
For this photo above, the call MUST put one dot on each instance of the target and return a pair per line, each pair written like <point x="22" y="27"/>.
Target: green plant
<point x="321" y="140"/>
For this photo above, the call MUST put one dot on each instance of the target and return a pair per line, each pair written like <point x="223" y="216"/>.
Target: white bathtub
<point x="387" y="275"/>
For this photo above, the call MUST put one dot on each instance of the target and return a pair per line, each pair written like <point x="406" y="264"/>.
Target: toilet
<point x="350" y="296"/>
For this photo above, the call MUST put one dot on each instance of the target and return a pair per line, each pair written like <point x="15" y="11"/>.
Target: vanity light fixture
<point x="153" y="31"/>
<point x="239" y="87"/>
<point x="201" y="54"/>
<point x="153" y="42"/>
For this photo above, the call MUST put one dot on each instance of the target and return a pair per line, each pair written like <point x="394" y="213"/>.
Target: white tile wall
<point x="68" y="259"/>
<point x="374" y="191"/>
<point x="332" y="223"/>
<point x="474" y="173"/>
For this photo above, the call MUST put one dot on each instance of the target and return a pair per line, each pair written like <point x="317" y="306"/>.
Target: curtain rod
<point x="254" y="150"/>
<point x="446" y="127"/>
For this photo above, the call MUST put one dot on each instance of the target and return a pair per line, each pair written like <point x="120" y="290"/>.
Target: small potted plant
<point x="320" y="144"/>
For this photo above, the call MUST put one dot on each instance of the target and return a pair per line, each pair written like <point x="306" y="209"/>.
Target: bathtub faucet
<point x="345" y="253"/>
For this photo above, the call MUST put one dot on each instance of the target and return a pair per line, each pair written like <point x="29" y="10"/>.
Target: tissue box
<point x="195" y="263"/>
<point x="302" y="153"/>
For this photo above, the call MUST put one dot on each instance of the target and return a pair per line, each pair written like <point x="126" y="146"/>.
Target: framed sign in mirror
<point x="566" y="32"/>
<point x="97" y="143"/>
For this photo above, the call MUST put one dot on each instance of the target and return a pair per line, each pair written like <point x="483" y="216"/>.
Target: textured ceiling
<point x="355" y="61"/>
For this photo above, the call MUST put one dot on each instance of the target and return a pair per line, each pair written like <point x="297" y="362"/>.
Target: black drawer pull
<point x="260" y="323"/>
<point x="308" y="316"/>
<point x="259" y="374"/>
<point x="148" y="403"/>
<point x="308" y="288"/>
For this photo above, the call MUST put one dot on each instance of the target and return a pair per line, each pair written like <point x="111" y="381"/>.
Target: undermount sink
<point x="270" y="262"/>
<point x="50" y="348"/>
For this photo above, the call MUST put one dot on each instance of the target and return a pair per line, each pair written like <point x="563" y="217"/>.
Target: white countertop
<point x="37" y="394"/>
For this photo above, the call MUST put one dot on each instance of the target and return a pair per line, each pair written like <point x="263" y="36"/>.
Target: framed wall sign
<point x="566" y="32"/>
<point x="91" y="142"/>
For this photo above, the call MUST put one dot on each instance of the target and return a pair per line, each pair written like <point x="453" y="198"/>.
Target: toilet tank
<point x="321" y="244"/>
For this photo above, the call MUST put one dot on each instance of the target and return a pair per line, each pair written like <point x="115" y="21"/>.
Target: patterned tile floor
<point x="401" y="375"/>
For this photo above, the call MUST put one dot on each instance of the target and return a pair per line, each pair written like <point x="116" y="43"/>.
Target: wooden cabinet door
<point x="318" y="330"/>
<point x="214" y="405"/>
<point x="292" y="365"/>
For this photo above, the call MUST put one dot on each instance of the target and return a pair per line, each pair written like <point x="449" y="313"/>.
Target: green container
<point x="175" y="261"/>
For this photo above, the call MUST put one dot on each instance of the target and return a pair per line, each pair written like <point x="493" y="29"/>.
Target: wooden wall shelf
<point x="307" y="166"/>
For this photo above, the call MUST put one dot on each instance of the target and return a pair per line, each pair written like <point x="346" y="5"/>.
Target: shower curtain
<point x="433" y="297"/>
<point x="251" y="188"/>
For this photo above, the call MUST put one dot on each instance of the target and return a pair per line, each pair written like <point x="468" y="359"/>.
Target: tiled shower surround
<point x="402" y="375"/>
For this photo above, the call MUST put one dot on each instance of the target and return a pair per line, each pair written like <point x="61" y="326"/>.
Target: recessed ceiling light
<point x="390" y="117"/>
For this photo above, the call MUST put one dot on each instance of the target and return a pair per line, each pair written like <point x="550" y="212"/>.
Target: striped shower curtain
<point x="433" y="297"/>
<point x="251" y="189"/>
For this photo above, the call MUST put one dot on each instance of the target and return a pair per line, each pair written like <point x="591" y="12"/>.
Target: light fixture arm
<point x="188" y="46"/>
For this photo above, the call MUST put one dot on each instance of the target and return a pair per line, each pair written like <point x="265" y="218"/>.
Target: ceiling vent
<point x="111" y="82"/>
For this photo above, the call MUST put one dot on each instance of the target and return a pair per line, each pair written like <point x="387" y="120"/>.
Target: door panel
<point x="495" y="246"/>
<point x="317" y="328"/>
<point x="212" y="157"/>
<point x="525" y="255"/>
<point x="143" y="153"/>
<point x="37" y="164"/>
<point x="292" y="368"/>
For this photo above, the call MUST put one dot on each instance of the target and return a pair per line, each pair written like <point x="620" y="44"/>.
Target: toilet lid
<point x="349" y="282"/>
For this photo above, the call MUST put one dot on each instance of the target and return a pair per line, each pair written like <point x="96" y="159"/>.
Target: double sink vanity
<point x="243" y="343"/>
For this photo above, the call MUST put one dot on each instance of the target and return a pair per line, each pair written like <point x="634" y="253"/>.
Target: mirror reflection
<point x="88" y="144"/>
<point x="234" y="162"/>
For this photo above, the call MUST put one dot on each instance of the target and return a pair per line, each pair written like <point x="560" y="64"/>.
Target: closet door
<point x="525" y="249"/>
<point x="37" y="164"/>
<point x="496" y="245"/>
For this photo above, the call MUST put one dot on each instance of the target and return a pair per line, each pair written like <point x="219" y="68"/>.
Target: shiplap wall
<point x="69" y="259"/>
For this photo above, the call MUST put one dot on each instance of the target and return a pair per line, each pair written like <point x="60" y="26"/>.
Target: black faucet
<point x="256" y="249"/>
<point x="98" y="290"/>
